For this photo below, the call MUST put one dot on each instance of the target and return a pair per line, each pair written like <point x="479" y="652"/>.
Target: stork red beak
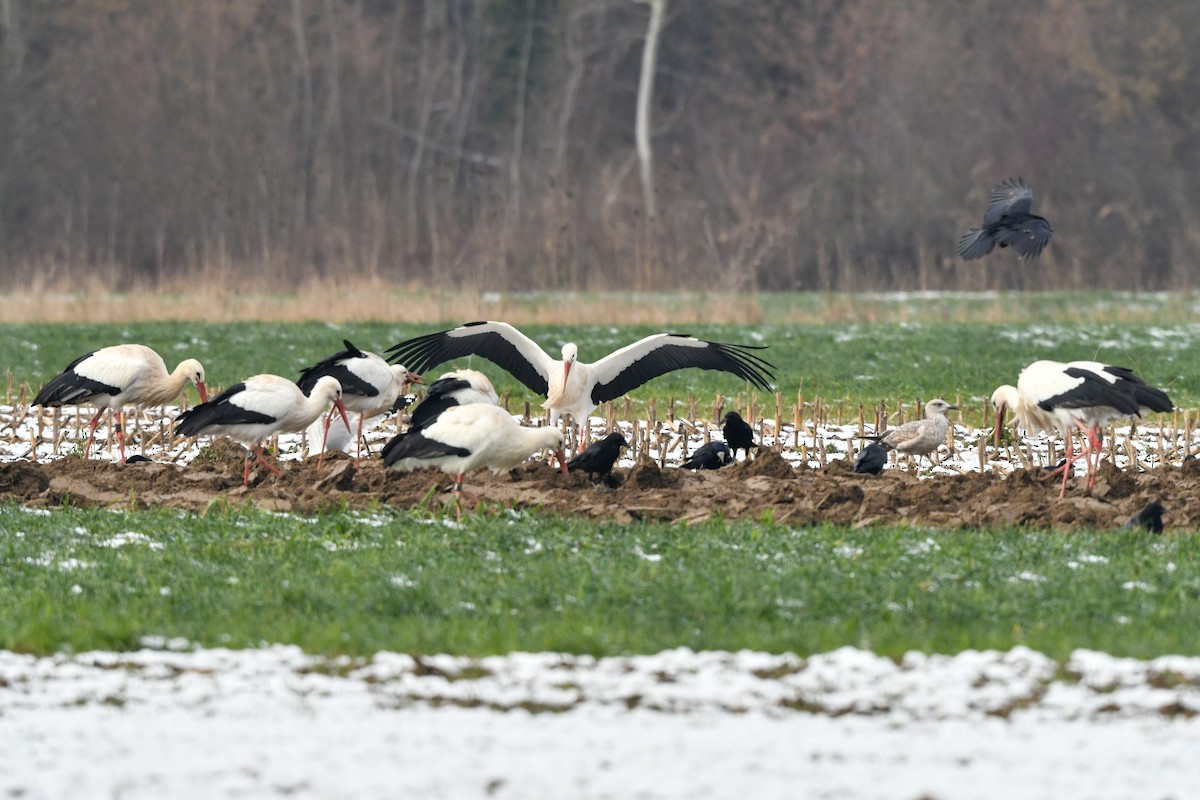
<point x="203" y="390"/>
<point x="415" y="378"/>
<point x="341" y="410"/>
<point x="566" y="372"/>
<point x="328" y="420"/>
<point x="561" y="455"/>
<point x="999" y="425"/>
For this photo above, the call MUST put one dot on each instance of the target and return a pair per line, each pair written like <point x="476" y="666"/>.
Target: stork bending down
<point x="114" y="377"/>
<point x="252" y="411"/>
<point x="1053" y="395"/>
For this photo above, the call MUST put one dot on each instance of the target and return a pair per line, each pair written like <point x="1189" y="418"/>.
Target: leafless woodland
<point x="595" y="144"/>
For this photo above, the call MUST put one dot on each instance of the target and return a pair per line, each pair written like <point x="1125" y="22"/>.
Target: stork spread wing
<point x="498" y="342"/>
<point x="1008" y="198"/>
<point x="649" y="358"/>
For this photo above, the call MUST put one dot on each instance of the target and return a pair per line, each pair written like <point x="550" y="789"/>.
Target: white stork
<point x="370" y="386"/>
<point x="574" y="387"/>
<point x="466" y="437"/>
<point x="259" y="407"/>
<point x="459" y="387"/>
<point x="114" y="377"/>
<point x="1053" y="395"/>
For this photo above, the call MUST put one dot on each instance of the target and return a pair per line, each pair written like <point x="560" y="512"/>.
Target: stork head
<point x="328" y="389"/>
<point x="1003" y="398"/>
<point x="569" y="355"/>
<point x="193" y="371"/>
<point x="404" y="378"/>
<point x="556" y="441"/>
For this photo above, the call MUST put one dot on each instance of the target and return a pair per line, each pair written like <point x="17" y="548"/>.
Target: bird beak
<point x="999" y="426"/>
<point x="566" y="371"/>
<point x="561" y="455"/>
<point x="415" y="378"/>
<point x="341" y="410"/>
<point x="203" y="390"/>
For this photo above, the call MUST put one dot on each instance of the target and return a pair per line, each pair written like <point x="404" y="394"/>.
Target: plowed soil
<point x="765" y="488"/>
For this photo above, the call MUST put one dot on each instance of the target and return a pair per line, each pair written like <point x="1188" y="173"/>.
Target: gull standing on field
<point x="114" y="377"/>
<point x="922" y="436"/>
<point x="573" y="387"/>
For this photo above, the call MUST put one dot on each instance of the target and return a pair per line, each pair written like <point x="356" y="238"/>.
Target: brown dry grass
<point x="366" y="300"/>
<point x="222" y="296"/>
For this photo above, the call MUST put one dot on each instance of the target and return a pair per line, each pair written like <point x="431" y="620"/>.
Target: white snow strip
<point x="668" y="443"/>
<point x="679" y="724"/>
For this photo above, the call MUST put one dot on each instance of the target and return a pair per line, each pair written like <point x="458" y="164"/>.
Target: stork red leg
<point x="121" y="433"/>
<point x="1096" y="443"/>
<point x="269" y="467"/>
<point x="92" y="433"/>
<point x="358" y="443"/>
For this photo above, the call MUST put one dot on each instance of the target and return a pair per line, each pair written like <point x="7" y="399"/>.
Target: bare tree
<point x="645" y="152"/>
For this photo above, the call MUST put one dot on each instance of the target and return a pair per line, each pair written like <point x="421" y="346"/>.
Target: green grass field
<point x="358" y="583"/>
<point x="851" y="363"/>
<point x="397" y="581"/>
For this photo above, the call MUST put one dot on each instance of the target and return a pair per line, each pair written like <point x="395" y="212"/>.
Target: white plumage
<point x="1084" y="395"/>
<point x="463" y="438"/>
<point x="370" y="386"/>
<point x="114" y="377"/>
<point x="573" y="387"/>
<point x="259" y="407"/>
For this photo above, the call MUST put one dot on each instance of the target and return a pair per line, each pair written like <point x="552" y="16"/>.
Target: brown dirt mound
<point x="766" y="488"/>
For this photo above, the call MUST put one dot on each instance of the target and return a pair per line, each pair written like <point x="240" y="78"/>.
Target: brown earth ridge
<point x="767" y="488"/>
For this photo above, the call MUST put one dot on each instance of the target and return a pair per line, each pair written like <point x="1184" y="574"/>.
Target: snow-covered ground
<point x="847" y="724"/>
<point x="812" y="443"/>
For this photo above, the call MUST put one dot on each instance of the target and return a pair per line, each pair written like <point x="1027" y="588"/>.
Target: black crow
<point x="713" y="455"/>
<point x="870" y="459"/>
<point x="1149" y="519"/>
<point x="598" y="458"/>
<point x="1006" y="222"/>
<point x="738" y="433"/>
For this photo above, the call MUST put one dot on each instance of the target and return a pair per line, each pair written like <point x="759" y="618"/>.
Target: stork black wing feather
<point x="335" y="366"/>
<point x="422" y="353"/>
<point x="1145" y="394"/>
<point x="415" y="444"/>
<point x="219" y="411"/>
<point x="69" y="387"/>
<point x="735" y="359"/>
<point x="1093" y="391"/>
